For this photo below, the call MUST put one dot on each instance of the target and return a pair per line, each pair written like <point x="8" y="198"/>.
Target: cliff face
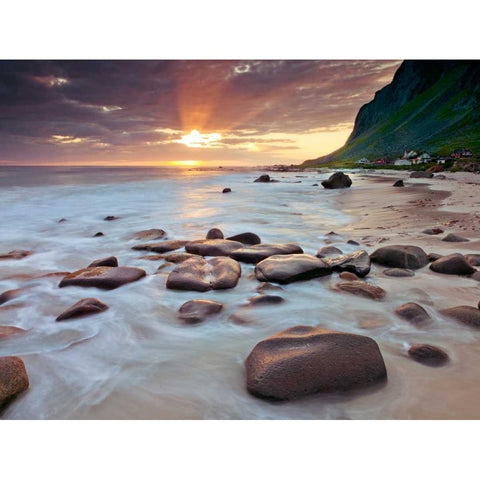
<point x="430" y="105"/>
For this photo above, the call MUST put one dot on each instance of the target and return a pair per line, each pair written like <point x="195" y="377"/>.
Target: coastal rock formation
<point x="213" y="248"/>
<point x="247" y="238"/>
<point x="7" y="331"/>
<point x="200" y="275"/>
<point x="357" y="262"/>
<point x="105" y="262"/>
<point x="398" y="183"/>
<point x="451" y="237"/>
<point x="161" y="247"/>
<point x="398" y="272"/>
<point x="13" y="379"/>
<point x="453" y="264"/>
<point x="257" y="253"/>
<point x="428" y="354"/>
<point x="196" y="311"/>
<point x="421" y="174"/>
<point x="86" y="306"/>
<point x="304" y="360"/>
<point x="413" y="313"/>
<point x="329" y="251"/>
<point x="214" y="234"/>
<point x="362" y="289"/>
<point x="106" y="278"/>
<point x="337" y="180"/>
<point x="265" y="300"/>
<point x="464" y="314"/>
<point x="285" y="269"/>
<point x="400" y="256"/>
<point x="15" y="255"/>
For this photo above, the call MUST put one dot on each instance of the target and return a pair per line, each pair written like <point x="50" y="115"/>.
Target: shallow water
<point x="137" y="361"/>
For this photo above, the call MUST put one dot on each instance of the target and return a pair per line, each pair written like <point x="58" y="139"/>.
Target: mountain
<point x="430" y="105"/>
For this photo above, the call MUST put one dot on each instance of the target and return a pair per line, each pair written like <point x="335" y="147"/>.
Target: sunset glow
<point x="195" y="139"/>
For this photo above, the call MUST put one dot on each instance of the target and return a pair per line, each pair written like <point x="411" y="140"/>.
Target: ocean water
<point x="137" y="361"/>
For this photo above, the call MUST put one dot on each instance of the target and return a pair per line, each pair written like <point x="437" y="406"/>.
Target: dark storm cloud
<point x="50" y="107"/>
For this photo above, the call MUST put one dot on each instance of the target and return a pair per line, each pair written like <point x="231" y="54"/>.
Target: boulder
<point x="106" y="278"/>
<point x="161" y="247"/>
<point x="329" y="251"/>
<point x="7" y="331"/>
<point x="353" y="242"/>
<point x="105" y="262"/>
<point x="337" y="180"/>
<point x="257" y="253"/>
<point x="400" y="256"/>
<point x="226" y="190"/>
<point x="247" y="238"/>
<point x="362" y="289"/>
<point x="413" y="313"/>
<point x="262" y="179"/>
<point x="214" y="234"/>
<point x="87" y="306"/>
<point x="200" y="275"/>
<point x="454" y="238"/>
<point x="398" y="272"/>
<point x="453" y="264"/>
<point x="213" y="248"/>
<point x="357" y="262"/>
<point x="109" y="218"/>
<point x="464" y="314"/>
<point x="349" y="276"/>
<point x="15" y="255"/>
<point x="432" y="231"/>
<point x="151" y="234"/>
<point x="473" y="259"/>
<point x="99" y="234"/>
<point x="13" y="379"/>
<point x="428" y="355"/>
<point x="304" y="360"/>
<point x="285" y="269"/>
<point x="265" y="300"/>
<point x="398" y="183"/>
<point x="421" y="174"/>
<point x="196" y="311"/>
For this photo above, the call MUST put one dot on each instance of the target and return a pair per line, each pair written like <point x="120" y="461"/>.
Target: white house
<point x="402" y="161"/>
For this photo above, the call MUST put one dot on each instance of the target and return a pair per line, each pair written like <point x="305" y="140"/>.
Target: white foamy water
<point x="136" y="360"/>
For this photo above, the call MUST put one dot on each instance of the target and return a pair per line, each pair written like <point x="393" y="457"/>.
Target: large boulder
<point x="161" y="247"/>
<point x="247" y="238"/>
<point x="413" y="313"/>
<point x="214" y="234"/>
<point x="303" y="360"/>
<point x="13" y="379"/>
<point x="428" y="355"/>
<point x="464" y="314"/>
<point x="363" y="289"/>
<point x="421" y="174"/>
<point x="451" y="237"/>
<point x="106" y="278"/>
<point x="357" y="262"/>
<point x="105" y="262"/>
<point x="86" y="306"/>
<point x="213" y="248"/>
<point x="453" y="264"/>
<point x="257" y="253"/>
<point x="196" y="311"/>
<point x="291" y="268"/>
<point x="400" y="256"/>
<point x="200" y="275"/>
<point x="337" y="180"/>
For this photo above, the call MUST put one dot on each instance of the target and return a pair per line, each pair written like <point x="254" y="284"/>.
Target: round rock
<point x="454" y="264"/>
<point x="196" y="311"/>
<point x="106" y="278"/>
<point x="161" y="247"/>
<point x="105" y="262"/>
<point x="400" y="256"/>
<point x="13" y="379"/>
<point x="247" y="238"/>
<point x="337" y="180"/>
<point x="328" y="251"/>
<point x="213" y="248"/>
<point x="413" y="313"/>
<point x="464" y="314"/>
<point x="87" y="306"/>
<point x="428" y="355"/>
<point x="454" y="238"/>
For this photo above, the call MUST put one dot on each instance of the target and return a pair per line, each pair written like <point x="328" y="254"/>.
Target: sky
<point x="181" y="112"/>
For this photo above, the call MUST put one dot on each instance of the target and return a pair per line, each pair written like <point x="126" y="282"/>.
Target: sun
<point x="195" y="139"/>
<point x="184" y="163"/>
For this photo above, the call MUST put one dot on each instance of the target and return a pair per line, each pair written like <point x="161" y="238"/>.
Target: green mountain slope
<point x="430" y="105"/>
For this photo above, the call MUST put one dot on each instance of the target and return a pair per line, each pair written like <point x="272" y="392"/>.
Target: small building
<point x="461" y="153"/>
<point x="409" y="154"/>
<point x="425" y="157"/>
<point x="379" y="161"/>
<point x="363" y="161"/>
<point x="441" y="161"/>
<point x="402" y="161"/>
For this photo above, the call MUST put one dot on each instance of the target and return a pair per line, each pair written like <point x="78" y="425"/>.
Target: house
<point x="441" y="161"/>
<point x="409" y="154"/>
<point x="461" y="153"/>
<point x="425" y="157"/>
<point x="379" y="161"/>
<point x="402" y="161"/>
<point x="363" y="161"/>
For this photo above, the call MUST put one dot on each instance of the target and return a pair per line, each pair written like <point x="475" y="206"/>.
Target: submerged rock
<point x="263" y="179"/>
<point x="473" y="259"/>
<point x="226" y="190"/>
<point x="398" y="272"/>
<point x="200" y="275"/>
<point x="247" y="238"/>
<point x="257" y="253"/>
<point x="349" y="276"/>
<point x="357" y="262"/>
<point x="213" y="248"/>
<point x="178" y="257"/>
<point x="7" y="331"/>
<point x="15" y="255"/>
<point x="99" y="234"/>
<point x="196" y="311"/>
<point x="432" y="231"/>
<point x="161" y="247"/>
<point x="151" y="234"/>
<point x="454" y="238"/>
<point x="13" y="379"/>
<point x="453" y="264"/>
<point x="464" y="314"/>
<point x="337" y="180"/>
<point x="10" y="295"/>
<point x="428" y="354"/>
<point x="413" y="313"/>
<point x="285" y="269"/>
<point x="265" y="300"/>
<point x="265" y="287"/>
<point x="87" y="306"/>
<point x="421" y="174"/>
<point x="398" y="183"/>
<point x="304" y="360"/>
<point x="109" y="218"/>
<point x="329" y="251"/>
<point x="401" y="256"/>
<point x="214" y="234"/>
<point x="105" y="262"/>
<point x="106" y="278"/>
<point x="362" y="289"/>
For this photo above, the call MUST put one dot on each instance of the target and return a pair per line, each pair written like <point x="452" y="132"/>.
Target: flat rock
<point x="247" y="238"/>
<point x="15" y="255"/>
<point x="257" y="253"/>
<point x="304" y="360"/>
<point x="428" y="354"/>
<point x="349" y="276"/>
<point x="451" y="237"/>
<point x="285" y="269"/>
<point x="161" y="247"/>
<point x="465" y="314"/>
<point x="473" y="259"/>
<point x="453" y="264"/>
<point x="328" y="251"/>
<point x="150" y="234"/>
<point x="87" y="306"/>
<point x="263" y="179"/>
<point x="432" y="231"/>
<point x="9" y="330"/>
<point x="105" y="262"/>
<point x="106" y="278"/>
<point x="196" y="311"/>
<point x="362" y="289"/>
<point x="413" y="313"/>
<point x="337" y="180"/>
<point x="398" y="272"/>
<point x="357" y="262"/>
<point x="178" y="257"/>
<point x="421" y="174"/>
<point x="400" y="256"/>
<point x="265" y="300"/>
<point x="213" y="248"/>
<point x="200" y="275"/>
<point x="13" y="379"/>
<point x="214" y="234"/>
<point x="398" y="183"/>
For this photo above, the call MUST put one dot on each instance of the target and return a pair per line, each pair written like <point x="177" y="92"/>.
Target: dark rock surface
<point x="265" y="300"/>
<point x="428" y="354"/>
<point x="178" y="257"/>
<point x="451" y="237"/>
<point x="357" y="262"/>
<point x="328" y="251"/>
<point x="421" y="174"/>
<point x="263" y="179"/>
<point x="337" y="180"/>
<point x="453" y="264"/>
<point x="214" y="234"/>
<point x="433" y="256"/>
<point x="285" y="269"/>
<point x="398" y="272"/>
<point x="106" y="278"/>
<point x="473" y="259"/>
<point x="10" y="295"/>
<point x="257" y="253"/>
<point x="226" y="190"/>
<point x="413" y="313"/>
<point x="400" y="256"/>
<point x="13" y="379"/>
<point x="348" y="276"/>
<point x="196" y="311"/>
<point x="398" y="183"/>
<point x="303" y="360"/>
<point x="161" y="247"/>
<point x="432" y="231"/>
<point x="99" y="234"/>
<point x="247" y="238"/>
<point x="464" y="314"/>
<point x="213" y="248"/>
<point x="86" y="306"/>
<point x="109" y="218"/>
<point x="362" y="289"/>
<point x="267" y="287"/>
<point x="105" y="262"/>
